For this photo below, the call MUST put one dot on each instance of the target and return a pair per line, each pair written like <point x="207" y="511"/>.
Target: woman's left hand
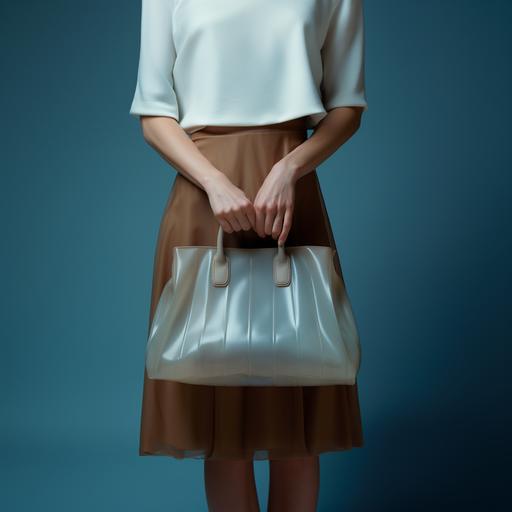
<point x="274" y="203"/>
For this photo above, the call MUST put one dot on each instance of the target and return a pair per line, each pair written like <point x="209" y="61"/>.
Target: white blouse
<point x="249" y="62"/>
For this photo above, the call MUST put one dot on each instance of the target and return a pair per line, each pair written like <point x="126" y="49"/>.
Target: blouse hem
<point x="313" y="118"/>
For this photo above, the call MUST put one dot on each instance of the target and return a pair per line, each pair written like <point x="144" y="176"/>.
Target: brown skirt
<point x="247" y="422"/>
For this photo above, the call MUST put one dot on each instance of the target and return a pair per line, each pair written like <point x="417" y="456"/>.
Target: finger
<point x="278" y="225"/>
<point x="269" y="219"/>
<point x="287" y="224"/>
<point x="260" y="221"/>
<point x="251" y="215"/>
<point x="226" y="226"/>
<point x="241" y="216"/>
<point x="231" y="218"/>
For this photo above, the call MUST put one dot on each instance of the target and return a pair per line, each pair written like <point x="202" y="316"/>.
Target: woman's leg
<point x="294" y="484"/>
<point x="230" y="486"/>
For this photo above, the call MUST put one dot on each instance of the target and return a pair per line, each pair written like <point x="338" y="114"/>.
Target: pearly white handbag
<point x="254" y="317"/>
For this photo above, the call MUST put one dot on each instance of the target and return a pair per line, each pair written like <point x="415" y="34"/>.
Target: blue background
<point x="420" y="202"/>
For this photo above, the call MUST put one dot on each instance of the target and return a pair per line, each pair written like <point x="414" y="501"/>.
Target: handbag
<point x="254" y="317"/>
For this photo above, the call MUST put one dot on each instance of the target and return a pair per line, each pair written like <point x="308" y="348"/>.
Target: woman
<point x="226" y="91"/>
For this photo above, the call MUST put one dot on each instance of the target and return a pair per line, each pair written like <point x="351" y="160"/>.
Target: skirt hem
<point x="257" y="455"/>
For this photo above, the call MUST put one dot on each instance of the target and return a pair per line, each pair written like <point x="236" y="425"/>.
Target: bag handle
<point x="281" y="266"/>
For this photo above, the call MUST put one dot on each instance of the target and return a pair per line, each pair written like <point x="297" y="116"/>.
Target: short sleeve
<point x="343" y="57"/>
<point x="154" y="92"/>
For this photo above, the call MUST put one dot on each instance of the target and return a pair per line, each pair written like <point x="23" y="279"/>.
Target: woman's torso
<point x="249" y="62"/>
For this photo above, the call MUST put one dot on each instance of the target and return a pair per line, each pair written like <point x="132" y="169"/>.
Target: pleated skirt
<point x="246" y="422"/>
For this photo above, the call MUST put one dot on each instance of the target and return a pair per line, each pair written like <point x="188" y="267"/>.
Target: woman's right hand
<point x="231" y="207"/>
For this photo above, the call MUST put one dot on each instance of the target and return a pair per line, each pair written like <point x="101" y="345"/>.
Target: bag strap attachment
<point x="281" y="265"/>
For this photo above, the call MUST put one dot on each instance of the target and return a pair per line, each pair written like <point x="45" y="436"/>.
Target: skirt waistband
<point x="293" y="125"/>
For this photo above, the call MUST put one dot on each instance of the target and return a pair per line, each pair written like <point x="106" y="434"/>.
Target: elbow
<point x="146" y="129"/>
<point x="357" y="118"/>
<point x="356" y="124"/>
<point x="155" y="127"/>
<point x="348" y="118"/>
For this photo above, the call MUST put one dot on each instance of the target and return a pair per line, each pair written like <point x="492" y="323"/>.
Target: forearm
<point x="332" y="132"/>
<point x="168" y="138"/>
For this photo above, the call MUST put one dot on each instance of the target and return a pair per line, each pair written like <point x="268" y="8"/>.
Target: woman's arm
<point x="230" y="205"/>
<point x="156" y="103"/>
<point x="331" y="133"/>
<point x="274" y="202"/>
<point x="344" y="98"/>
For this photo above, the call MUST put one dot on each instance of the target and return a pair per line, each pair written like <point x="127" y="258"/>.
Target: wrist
<point x="289" y="167"/>
<point x="209" y="177"/>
